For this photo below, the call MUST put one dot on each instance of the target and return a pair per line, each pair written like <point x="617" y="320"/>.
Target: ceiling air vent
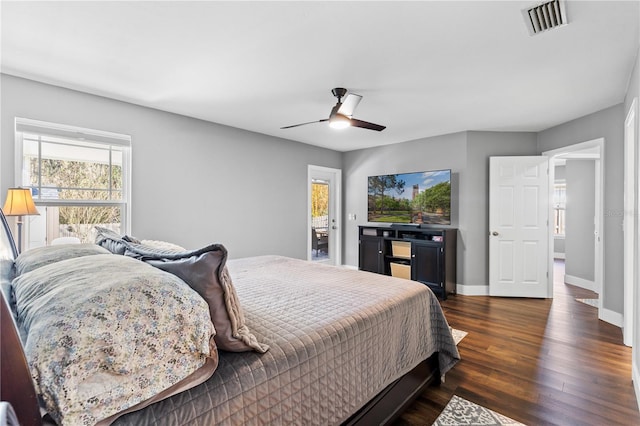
<point x="545" y="17"/>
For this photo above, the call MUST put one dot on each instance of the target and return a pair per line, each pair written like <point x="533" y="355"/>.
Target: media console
<point x="427" y="255"/>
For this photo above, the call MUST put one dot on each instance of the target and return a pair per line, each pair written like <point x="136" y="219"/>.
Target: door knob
<point x="494" y="233"/>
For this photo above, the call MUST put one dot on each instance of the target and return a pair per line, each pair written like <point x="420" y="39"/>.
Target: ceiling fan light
<point x="341" y="115"/>
<point x="339" y="122"/>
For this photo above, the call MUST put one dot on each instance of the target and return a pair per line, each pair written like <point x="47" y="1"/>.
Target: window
<point x="79" y="178"/>
<point x="320" y="204"/>
<point x="559" y="206"/>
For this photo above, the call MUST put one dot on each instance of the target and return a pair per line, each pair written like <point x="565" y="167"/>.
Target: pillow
<point x="205" y="271"/>
<point x="116" y="244"/>
<point x="162" y="245"/>
<point x="41" y="256"/>
<point x="105" y="333"/>
<point x="130" y="239"/>
<point x="110" y="240"/>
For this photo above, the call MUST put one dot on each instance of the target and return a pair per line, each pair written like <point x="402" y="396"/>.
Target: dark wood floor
<point x="538" y="361"/>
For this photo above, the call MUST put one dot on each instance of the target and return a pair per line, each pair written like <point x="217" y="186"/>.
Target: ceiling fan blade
<point x="349" y="104"/>
<point x="304" y="124"/>
<point x="367" y="125"/>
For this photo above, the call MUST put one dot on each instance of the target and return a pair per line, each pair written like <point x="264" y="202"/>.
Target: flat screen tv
<point x="420" y="197"/>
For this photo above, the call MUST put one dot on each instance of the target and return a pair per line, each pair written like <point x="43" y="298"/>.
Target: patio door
<point x="324" y="213"/>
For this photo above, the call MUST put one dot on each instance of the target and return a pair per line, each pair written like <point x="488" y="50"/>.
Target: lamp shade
<point x="19" y="202"/>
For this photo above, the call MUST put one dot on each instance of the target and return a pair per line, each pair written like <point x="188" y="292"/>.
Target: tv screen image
<point x="420" y="197"/>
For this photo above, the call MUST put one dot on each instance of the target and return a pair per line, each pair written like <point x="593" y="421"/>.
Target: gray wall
<point x="194" y="182"/>
<point x="559" y="246"/>
<point x="249" y="190"/>
<point x="467" y="155"/>
<point x="607" y="124"/>
<point x="441" y="152"/>
<point x="475" y="209"/>
<point x="580" y="213"/>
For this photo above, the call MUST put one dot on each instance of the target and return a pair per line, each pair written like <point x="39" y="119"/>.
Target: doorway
<point x="589" y="155"/>
<point x="324" y="213"/>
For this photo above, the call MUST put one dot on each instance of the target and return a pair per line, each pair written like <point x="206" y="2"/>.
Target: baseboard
<point x="472" y="290"/>
<point x="580" y="282"/>
<point x="559" y="256"/>
<point x="635" y="374"/>
<point x="355" y="268"/>
<point x="611" y="317"/>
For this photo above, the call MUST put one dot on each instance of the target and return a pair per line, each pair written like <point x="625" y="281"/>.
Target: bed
<point x="305" y="343"/>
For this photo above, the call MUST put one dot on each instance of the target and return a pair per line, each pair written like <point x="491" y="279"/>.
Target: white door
<point x="518" y="227"/>
<point x="324" y="213"/>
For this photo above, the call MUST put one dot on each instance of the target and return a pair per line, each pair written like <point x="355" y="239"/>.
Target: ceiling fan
<point x="342" y="113"/>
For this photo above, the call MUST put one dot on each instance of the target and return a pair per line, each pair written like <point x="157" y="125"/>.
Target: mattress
<point x="337" y="337"/>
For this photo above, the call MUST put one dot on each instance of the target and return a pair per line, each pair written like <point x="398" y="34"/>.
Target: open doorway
<point x="577" y="208"/>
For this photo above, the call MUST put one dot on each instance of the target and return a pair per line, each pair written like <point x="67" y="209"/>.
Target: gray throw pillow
<point x="110" y="240"/>
<point x="205" y="271"/>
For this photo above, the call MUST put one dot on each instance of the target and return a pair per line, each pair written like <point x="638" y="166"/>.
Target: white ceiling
<point x="424" y="68"/>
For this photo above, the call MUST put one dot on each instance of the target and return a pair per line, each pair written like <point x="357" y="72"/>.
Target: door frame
<point x="599" y="210"/>
<point x="630" y="224"/>
<point x="335" y="199"/>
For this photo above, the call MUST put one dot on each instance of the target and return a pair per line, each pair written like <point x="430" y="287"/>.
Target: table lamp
<point x="19" y="203"/>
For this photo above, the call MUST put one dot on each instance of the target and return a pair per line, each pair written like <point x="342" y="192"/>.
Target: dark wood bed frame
<point x="395" y="398"/>
<point x="17" y="386"/>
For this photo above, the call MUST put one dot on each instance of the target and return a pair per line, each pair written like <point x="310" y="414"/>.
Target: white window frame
<point x="559" y="206"/>
<point x="26" y="125"/>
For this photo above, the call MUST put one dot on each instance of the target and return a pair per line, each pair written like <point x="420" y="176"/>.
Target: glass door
<point x="319" y="220"/>
<point x="324" y="213"/>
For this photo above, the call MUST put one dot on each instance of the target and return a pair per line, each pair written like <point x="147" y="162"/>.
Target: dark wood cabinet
<point x="371" y="254"/>
<point x="426" y="255"/>
<point x="427" y="262"/>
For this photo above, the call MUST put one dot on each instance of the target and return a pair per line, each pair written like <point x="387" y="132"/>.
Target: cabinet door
<point x="426" y="263"/>
<point x="371" y="254"/>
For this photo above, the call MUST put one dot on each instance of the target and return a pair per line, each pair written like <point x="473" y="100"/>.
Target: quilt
<point x="337" y="337"/>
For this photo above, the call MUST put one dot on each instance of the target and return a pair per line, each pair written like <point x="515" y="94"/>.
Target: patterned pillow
<point x="42" y="256"/>
<point x="107" y="332"/>
<point x="205" y="271"/>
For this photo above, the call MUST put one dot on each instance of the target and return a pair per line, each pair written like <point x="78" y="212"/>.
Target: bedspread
<point x="337" y="336"/>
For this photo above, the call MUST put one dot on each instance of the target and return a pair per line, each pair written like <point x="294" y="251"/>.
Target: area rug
<point x="459" y="412"/>
<point x="458" y="335"/>
<point x="590" y="302"/>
